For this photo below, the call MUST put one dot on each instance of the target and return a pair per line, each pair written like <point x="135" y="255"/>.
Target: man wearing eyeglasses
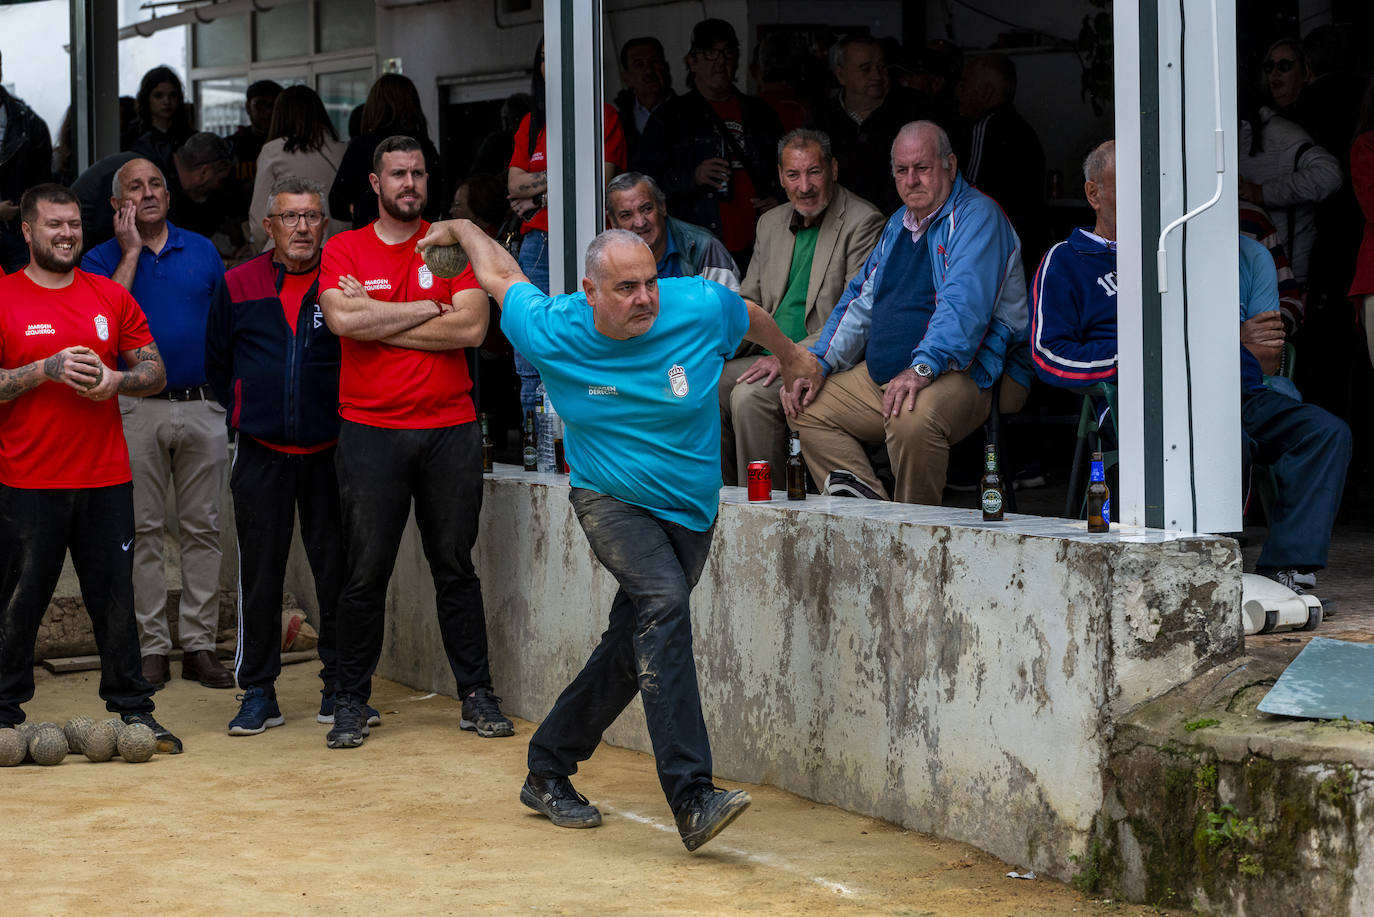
<point x="712" y="148"/>
<point x="177" y="434"/>
<point x="274" y="365"/>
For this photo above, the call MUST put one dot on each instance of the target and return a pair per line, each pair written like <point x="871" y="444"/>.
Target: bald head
<point x="923" y="132"/>
<point x="923" y="167"/>
<point x="621" y="284"/>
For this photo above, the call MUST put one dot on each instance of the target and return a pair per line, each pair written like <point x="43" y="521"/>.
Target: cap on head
<point x="708" y="32"/>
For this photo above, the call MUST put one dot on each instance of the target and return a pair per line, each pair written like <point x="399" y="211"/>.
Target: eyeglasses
<point x="1282" y="65"/>
<point x="715" y="54"/>
<point x="290" y="219"/>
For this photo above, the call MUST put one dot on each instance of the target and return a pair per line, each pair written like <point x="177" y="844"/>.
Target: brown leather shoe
<point x="156" y="671"/>
<point x="204" y="666"/>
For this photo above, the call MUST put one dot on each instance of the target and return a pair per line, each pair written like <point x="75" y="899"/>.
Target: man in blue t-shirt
<point x="636" y="389"/>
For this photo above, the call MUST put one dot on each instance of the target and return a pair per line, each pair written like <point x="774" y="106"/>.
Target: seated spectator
<point x="863" y="119"/>
<point x="635" y="202"/>
<point x="392" y="107"/>
<point x="527" y="182"/>
<point x="1073" y="335"/>
<point x="806" y="251"/>
<point x="1073" y="294"/>
<point x="301" y="143"/>
<point x="164" y="118"/>
<point x="25" y="162"/>
<point x="711" y="149"/>
<point x="1004" y="158"/>
<point x="920" y="336"/>
<point x="648" y="84"/>
<point x="482" y="199"/>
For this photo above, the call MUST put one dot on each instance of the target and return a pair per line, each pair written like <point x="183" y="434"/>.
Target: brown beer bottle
<point x="488" y="447"/>
<point x="1099" y="498"/>
<point x="991" y="488"/>
<point x="531" y="447"/>
<point x="796" y="471"/>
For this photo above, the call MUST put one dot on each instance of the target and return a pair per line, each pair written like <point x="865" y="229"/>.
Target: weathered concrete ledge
<point x="1214" y="805"/>
<point x="911" y="663"/>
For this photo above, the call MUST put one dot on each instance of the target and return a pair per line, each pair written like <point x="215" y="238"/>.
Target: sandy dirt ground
<point x="424" y="819"/>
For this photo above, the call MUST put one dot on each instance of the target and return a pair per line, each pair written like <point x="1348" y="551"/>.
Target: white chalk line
<point x="763" y="859"/>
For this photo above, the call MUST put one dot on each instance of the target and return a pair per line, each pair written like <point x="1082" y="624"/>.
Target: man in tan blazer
<point x="805" y="252"/>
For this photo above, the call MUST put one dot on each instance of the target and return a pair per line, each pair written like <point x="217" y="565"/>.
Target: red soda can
<point x="760" y="482"/>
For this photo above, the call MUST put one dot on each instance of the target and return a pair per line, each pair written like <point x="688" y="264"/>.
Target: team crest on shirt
<point x="102" y="327"/>
<point x="426" y="277"/>
<point x="677" y="378"/>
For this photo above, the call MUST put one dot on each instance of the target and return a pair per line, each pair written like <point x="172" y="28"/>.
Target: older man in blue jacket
<point x="920" y="336"/>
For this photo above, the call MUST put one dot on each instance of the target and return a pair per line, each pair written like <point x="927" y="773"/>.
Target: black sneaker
<point x="482" y="715"/>
<point x="704" y="816"/>
<point x="326" y="714"/>
<point x="841" y="483"/>
<point x="167" y="744"/>
<point x="350" y="724"/>
<point x="555" y="798"/>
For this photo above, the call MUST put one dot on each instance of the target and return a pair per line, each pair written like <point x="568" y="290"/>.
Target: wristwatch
<point x="923" y="370"/>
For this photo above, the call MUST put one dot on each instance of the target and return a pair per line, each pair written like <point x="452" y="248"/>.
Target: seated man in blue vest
<point x="635" y="202"/>
<point x="911" y="352"/>
<point x="1073" y="340"/>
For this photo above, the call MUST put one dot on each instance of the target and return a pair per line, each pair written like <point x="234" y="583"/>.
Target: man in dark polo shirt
<point x="409" y="433"/>
<point x="177" y="433"/>
<point x="64" y="469"/>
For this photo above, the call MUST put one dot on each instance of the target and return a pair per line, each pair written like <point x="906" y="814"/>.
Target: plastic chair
<point x="1075" y="501"/>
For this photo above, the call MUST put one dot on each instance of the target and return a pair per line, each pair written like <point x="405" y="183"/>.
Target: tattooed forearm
<point x="536" y="183"/>
<point x="21" y="379"/>
<point x="145" y="375"/>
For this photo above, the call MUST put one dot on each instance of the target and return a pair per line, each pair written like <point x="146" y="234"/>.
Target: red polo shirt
<point x="382" y="385"/>
<point x="51" y="436"/>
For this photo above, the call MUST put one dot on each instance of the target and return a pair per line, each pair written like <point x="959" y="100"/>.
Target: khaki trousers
<point x="849" y="412"/>
<point x="752" y="425"/>
<point x="186" y="442"/>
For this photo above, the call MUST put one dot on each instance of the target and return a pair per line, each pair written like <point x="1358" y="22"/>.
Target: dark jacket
<point x="274" y="386"/>
<point x="625" y="107"/>
<point x="684" y="130"/>
<point x="1004" y="160"/>
<point x="25" y="161"/>
<point x="864" y="151"/>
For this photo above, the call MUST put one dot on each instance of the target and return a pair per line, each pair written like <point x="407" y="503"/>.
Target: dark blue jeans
<point x="534" y="264"/>
<point x="1308" y="450"/>
<point x="646" y="649"/>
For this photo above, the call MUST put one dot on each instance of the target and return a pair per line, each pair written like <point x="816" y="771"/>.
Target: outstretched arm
<point x="496" y="270"/>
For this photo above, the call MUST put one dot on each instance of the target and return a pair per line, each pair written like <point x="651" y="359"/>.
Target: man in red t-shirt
<point x="408" y="433"/>
<point x="64" y="467"/>
<point x="285" y="454"/>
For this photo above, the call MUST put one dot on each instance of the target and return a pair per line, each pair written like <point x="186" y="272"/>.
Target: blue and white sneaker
<point x="326" y="714"/>
<point x="258" y="712"/>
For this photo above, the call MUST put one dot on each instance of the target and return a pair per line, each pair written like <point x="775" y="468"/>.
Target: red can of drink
<point x="760" y="482"/>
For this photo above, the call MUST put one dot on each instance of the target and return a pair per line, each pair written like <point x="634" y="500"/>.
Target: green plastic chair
<point x="1076" y="500"/>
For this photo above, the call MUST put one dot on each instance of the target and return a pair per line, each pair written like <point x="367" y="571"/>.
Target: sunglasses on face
<point x="1282" y="65"/>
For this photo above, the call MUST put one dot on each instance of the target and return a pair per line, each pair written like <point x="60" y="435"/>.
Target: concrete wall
<point x="906" y="662"/>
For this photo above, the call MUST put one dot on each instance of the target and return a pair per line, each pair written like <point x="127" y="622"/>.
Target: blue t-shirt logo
<point x="677" y="378"/>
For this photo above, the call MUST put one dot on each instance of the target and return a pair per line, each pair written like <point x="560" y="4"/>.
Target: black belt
<point x="194" y="393"/>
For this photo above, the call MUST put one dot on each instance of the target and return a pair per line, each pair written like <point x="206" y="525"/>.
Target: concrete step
<point x="1214" y="805"/>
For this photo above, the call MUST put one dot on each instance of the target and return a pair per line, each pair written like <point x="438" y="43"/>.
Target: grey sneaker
<point x="708" y="813"/>
<point x="555" y="798"/>
<point x="482" y="715"/>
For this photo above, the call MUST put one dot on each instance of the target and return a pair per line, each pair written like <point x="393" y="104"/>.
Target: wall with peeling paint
<point x="907" y="662"/>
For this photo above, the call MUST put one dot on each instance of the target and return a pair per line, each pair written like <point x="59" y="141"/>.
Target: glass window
<point x="346" y="24"/>
<point x="283" y="32"/>
<point x="221" y="42"/>
<point x="341" y="91"/>
<point x="219" y="103"/>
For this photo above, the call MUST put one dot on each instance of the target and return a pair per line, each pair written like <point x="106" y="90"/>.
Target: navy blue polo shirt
<point x="174" y="288"/>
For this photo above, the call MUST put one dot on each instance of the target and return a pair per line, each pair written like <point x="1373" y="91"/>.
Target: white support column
<point x="572" y="68"/>
<point x="1179" y="397"/>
